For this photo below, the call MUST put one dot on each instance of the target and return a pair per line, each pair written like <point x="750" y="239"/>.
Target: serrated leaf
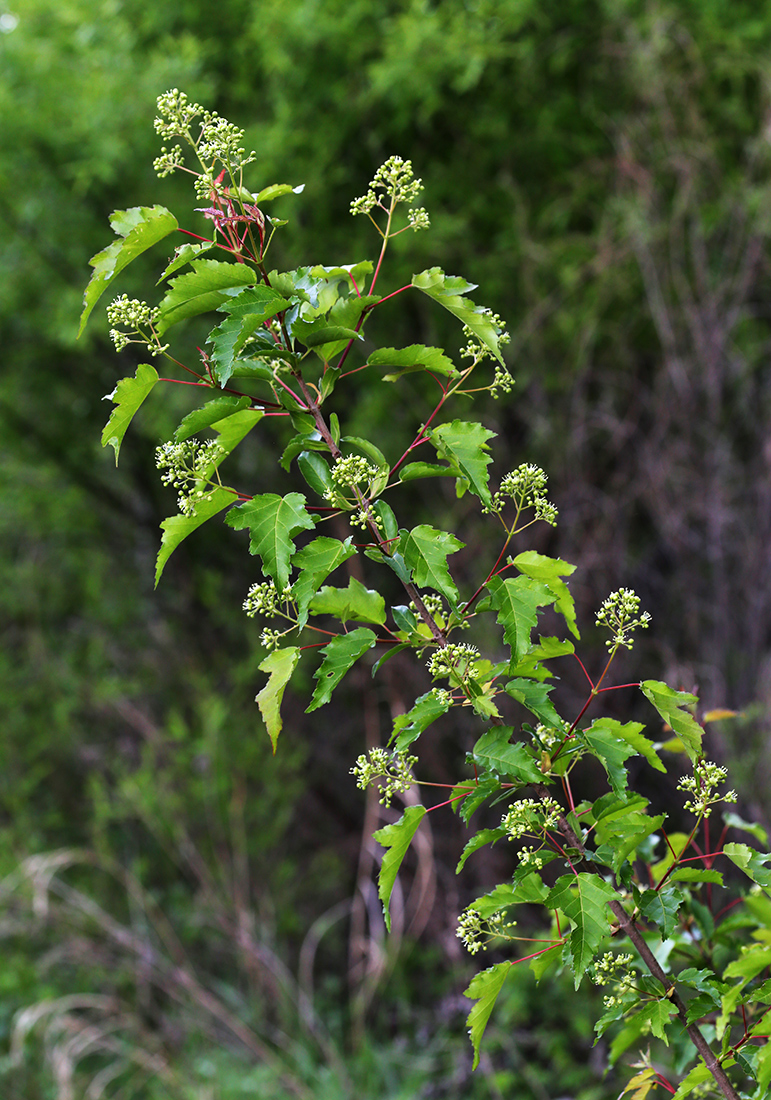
<point x="752" y="827"/>
<point x="751" y="862"/>
<point x="464" y="445"/>
<point x="414" y="470"/>
<point x="482" y="838"/>
<point x="408" y="727"/>
<point x="208" y="285"/>
<point x="318" y="331"/>
<point x="231" y="430"/>
<point x="449" y="291"/>
<point x="281" y="663"/>
<point x="425" y="551"/>
<point x="357" y="603"/>
<point x="610" y="750"/>
<point x="495" y="753"/>
<point x="640" y="1085"/>
<point x="671" y="706"/>
<point x="517" y="600"/>
<point x="622" y="827"/>
<point x="660" y="907"/>
<point x="630" y="732"/>
<point x="535" y="696"/>
<point x="177" y="528"/>
<point x="209" y="414"/>
<point x="583" y="899"/>
<point x="316" y="561"/>
<point x="272" y="521"/>
<point x="416" y="357"/>
<point x="128" y="395"/>
<point x="138" y="229"/>
<point x="696" y="1077"/>
<point x="341" y="653"/>
<point x="247" y="311"/>
<point x="658" y="1014"/>
<point x="478" y="793"/>
<point x="753" y="961"/>
<point x="551" y="571"/>
<point x="696" y="874"/>
<point x="397" y="838"/>
<point x="355" y="273"/>
<point x="484" y="989"/>
<point x="183" y="255"/>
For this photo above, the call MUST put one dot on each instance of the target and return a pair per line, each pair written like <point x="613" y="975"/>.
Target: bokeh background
<point x="182" y="915"/>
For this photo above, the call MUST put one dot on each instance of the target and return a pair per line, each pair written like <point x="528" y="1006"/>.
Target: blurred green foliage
<point x="600" y="167"/>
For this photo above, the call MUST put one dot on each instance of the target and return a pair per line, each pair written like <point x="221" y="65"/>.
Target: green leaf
<point x="482" y="838"/>
<point x="247" y="311"/>
<point x="753" y="960"/>
<point x="408" y="727"/>
<point x="425" y="550"/>
<point x="478" y="793"/>
<point x="275" y="191"/>
<point x="495" y="753"/>
<point x="184" y="255"/>
<point x="657" y="1014"/>
<point x="416" y="357"/>
<point x="484" y="989"/>
<point x="696" y="874"/>
<point x="315" y="471"/>
<point x="583" y="899"/>
<point x="281" y="663"/>
<point x="354" y="273"/>
<point x="671" y="706"/>
<point x="177" y="528"/>
<point x="735" y="822"/>
<point x="355" y="602"/>
<point x="699" y="1075"/>
<point x="341" y="653"/>
<point x="535" y="697"/>
<point x="316" y="561"/>
<point x="231" y="430"/>
<point x="207" y="286"/>
<point x="139" y="229"/>
<point x="414" y="470"/>
<point x="464" y="445"/>
<point x="517" y="599"/>
<point x="209" y="414"/>
<point x="610" y="750"/>
<point x="551" y="571"/>
<point x="318" y="331"/>
<point x="397" y="839"/>
<point x="622" y="826"/>
<point x="751" y="862"/>
<point x="630" y="732"/>
<point x="128" y="396"/>
<point x="272" y="521"/>
<point x="449" y="291"/>
<point x="661" y="907"/>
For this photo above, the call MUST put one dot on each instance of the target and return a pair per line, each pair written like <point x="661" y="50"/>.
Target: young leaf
<point x="416" y="357"/>
<point x="177" y="528"/>
<point x="495" y="753"/>
<point x="272" y="521"/>
<point x="128" y="396"/>
<point x="449" y="291"/>
<point x="551" y="571"/>
<point x="207" y="286"/>
<point x="671" y="706"/>
<point x="464" y="445"/>
<point x="408" y="727"/>
<point x="138" y="229"/>
<point x="517" y="599"/>
<point x="751" y="862"/>
<point x="209" y="414"/>
<point x="341" y="653"/>
<point x="281" y="663"/>
<point x="425" y="551"/>
<point x="275" y="191"/>
<point x="397" y="839"/>
<point x="484" y="989"/>
<point x="247" y="311"/>
<point x="315" y="562"/>
<point x="184" y="255"/>
<point x="583" y="899"/>
<point x="356" y="602"/>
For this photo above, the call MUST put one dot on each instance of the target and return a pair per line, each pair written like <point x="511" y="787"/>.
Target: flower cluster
<point x="394" y="769"/>
<point x="188" y="467"/>
<point x="454" y="662"/>
<point x="605" y="969"/>
<point x="176" y="114"/>
<point x="702" y="785"/>
<point x="502" y="382"/>
<point x="620" y="613"/>
<point x="526" y="487"/>
<point x="529" y="816"/>
<point x="263" y="599"/>
<point x="217" y="141"/>
<point x="349" y="472"/>
<point x="612" y="970"/>
<point x="476" y="932"/>
<point x="139" y="318"/>
<point x="396" y="180"/>
<point x="549" y="737"/>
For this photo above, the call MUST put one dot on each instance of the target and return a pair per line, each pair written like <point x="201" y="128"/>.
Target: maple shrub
<point x="628" y="905"/>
